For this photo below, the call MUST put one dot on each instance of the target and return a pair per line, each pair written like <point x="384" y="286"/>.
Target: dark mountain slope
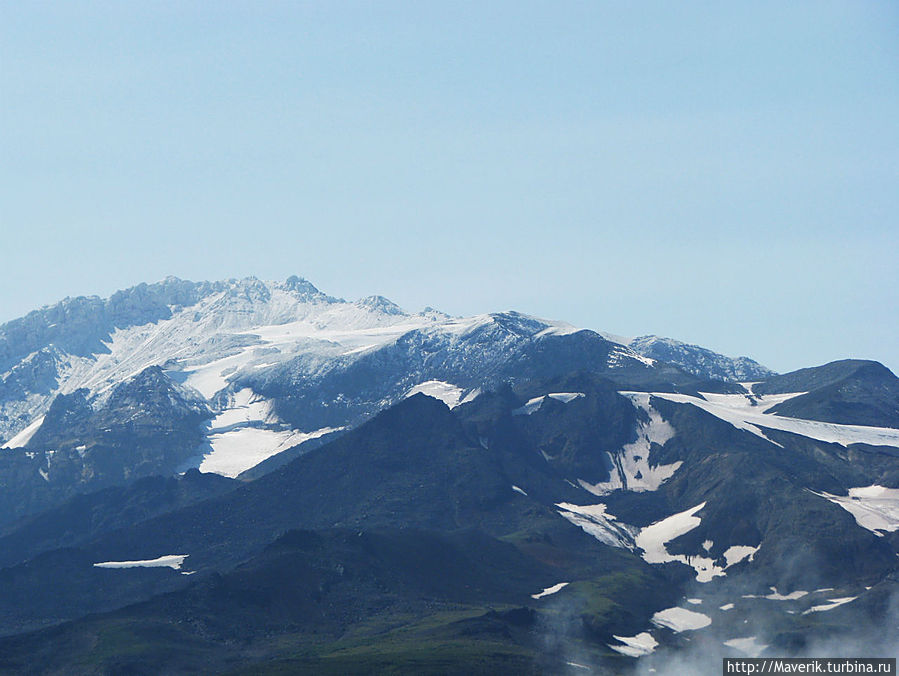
<point x="759" y="493"/>
<point x="851" y="392"/>
<point x="339" y="601"/>
<point x="412" y="466"/>
<point x="148" y="426"/>
<point x="497" y="469"/>
<point x="85" y="517"/>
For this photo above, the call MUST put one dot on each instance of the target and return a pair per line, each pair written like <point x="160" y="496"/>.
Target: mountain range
<point x="256" y="477"/>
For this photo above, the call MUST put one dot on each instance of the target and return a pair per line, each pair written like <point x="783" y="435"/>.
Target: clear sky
<point x="725" y="173"/>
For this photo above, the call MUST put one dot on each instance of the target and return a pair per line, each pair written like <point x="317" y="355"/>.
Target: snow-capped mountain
<point x="276" y="363"/>
<point x="700" y="361"/>
<point x="494" y="480"/>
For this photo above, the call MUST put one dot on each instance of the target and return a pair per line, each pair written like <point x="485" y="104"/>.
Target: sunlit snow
<point x="777" y="596"/>
<point x="246" y="433"/>
<point x="448" y="393"/>
<point x="635" y="646"/>
<point x="172" y="561"/>
<point x="748" y="646"/>
<point x="736" y="553"/>
<point x="244" y="326"/>
<point x="832" y="603"/>
<point x="598" y="522"/>
<point x="534" y="404"/>
<point x="621" y="355"/>
<point x="630" y="466"/>
<point x="25" y="435"/>
<point x="874" y="507"/>
<point x="653" y="538"/>
<point x="238" y="450"/>
<point x="550" y="590"/>
<point x="750" y="413"/>
<point x="680" y="619"/>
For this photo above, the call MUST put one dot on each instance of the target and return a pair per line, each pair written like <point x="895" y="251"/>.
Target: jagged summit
<point x="286" y="340"/>
<point x="302" y="286"/>
<point x="699" y="360"/>
<point x="380" y="304"/>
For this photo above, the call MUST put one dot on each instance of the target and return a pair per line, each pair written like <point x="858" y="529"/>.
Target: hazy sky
<point x="724" y="173"/>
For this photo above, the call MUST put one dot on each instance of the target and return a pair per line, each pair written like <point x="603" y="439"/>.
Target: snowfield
<point x="875" y="508"/>
<point x="238" y="450"/>
<point x="749" y="412"/>
<point x="240" y="330"/>
<point x="680" y="619"/>
<point x="651" y="541"/>
<point x="246" y="433"/>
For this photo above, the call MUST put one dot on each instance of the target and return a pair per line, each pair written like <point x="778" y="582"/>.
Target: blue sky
<point x="724" y="173"/>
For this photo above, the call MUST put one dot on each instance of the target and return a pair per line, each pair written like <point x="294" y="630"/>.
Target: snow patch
<point x="630" y="466"/>
<point x="792" y="596"/>
<point x="211" y="378"/>
<point x="246" y="433"/>
<point x="558" y="328"/>
<point x="653" y="538"/>
<point x="736" y="553"/>
<point x="550" y="590"/>
<point x="748" y="646"/>
<point x="598" y="522"/>
<point x="749" y="412"/>
<point x="172" y="561"/>
<point x="449" y="394"/>
<point x="240" y="449"/>
<point x="534" y="404"/>
<point x="680" y="619"/>
<point x="635" y="646"/>
<point x="620" y="355"/>
<point x="875" y="508"/>
<point x="244" y="407"/>
<point x="832" y="603"/>
<point x="777" y="596"/>
<point x="25" y="435"/>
